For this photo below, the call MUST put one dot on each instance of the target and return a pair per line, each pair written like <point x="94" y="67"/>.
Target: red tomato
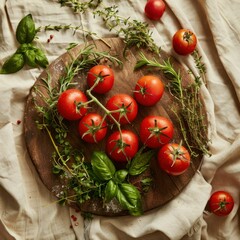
<point x="105" y="76"/>
<point x="149" y="90"/>
<point x="155" y="131"/>
<point x="184" y="41"/>
<point x="70" y="104"/>
<point x="122" y="149"/>
<point x="92" y="128"/>
<point x="221" y="203"/>
<point x="173" y="158"/>
<point x="126" y="106"/>
<point x="154" y="9"/>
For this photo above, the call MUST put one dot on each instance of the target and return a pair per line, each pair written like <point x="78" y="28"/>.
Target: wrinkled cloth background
<point x="28" y="210"/>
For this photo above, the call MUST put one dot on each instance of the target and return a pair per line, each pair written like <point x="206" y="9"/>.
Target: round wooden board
<point x="165" y="187"/>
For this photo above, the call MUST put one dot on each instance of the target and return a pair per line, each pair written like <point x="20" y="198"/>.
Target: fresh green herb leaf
<point x="140" y="162"/>
<point x="129" y="198"/>
<point x="13" y="64"/>
<point x="102" y="166"/>
<point x="41" y="58"/>
<point x="30" y="57"/>
<point x="25" y="32"/>
<point x="120" y="175"/>
<point x="110" y="191"/>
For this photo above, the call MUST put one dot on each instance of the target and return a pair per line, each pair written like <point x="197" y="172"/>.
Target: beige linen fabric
<point x="28" y="210"/>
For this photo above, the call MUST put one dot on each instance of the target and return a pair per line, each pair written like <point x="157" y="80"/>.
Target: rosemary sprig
<point x="191" y="117"/>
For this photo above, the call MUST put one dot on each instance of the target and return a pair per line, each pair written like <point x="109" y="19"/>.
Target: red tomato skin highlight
<point x="166" y="159"/>
<point x="152" y="87"/>
<point x="154" y="9"/>
<point x="129" y="138"/>
<point x="108" y="81"/>
<point x="66" y="104"/>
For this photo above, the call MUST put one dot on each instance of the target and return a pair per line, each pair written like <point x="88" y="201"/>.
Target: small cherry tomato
<point x="122" y="149"/>
<point x="104" y="75"/>
<point x="124" y="106"/>
<point x="71" y="104"/>
<point x="184" y="42"/>
<point x="173" y="158"/>
<point x="154" y="9"/>
<point x="149" y="90"/>
<point x="92" y="128"/>
<point x="221" y="203"/>
<point x="155" y="131"/>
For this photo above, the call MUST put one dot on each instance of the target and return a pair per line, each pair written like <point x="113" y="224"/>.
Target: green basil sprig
<point x="127" y="195"/>
<point x="26" y="53"/>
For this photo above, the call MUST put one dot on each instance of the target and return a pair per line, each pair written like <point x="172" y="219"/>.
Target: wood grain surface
<point x="165" y="187"/>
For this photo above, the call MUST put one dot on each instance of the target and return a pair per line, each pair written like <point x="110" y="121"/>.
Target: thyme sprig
<point x="134" y="32"/>
<point x="191" y="117"/>
<point x="79" y="6"/>
<point x="199" y="65"/>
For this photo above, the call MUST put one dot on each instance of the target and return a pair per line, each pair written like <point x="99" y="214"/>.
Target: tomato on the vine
<point x="122" y="147"/>
<point x="92" y="128"/>
<point x="173" y="158"/>
<point x="155" y="131"/>
<point x="221" y="203"/>
<point x="148" y="90"/>
<point x="124" y="106"/>
<point x="184" y="41"/>
<point x="71" y="104"/>
<point x="154" y="9"/>
<point x="104" y="75"/>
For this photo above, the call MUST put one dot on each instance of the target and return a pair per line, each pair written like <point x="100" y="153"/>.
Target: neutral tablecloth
<point x="29" y="211"/>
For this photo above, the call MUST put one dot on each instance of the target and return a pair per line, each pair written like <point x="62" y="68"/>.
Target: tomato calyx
<point x="222" y="205"/>
<point x="143" y="90"/>
<point x="187" y="36"/>
<point x="177" y="153"/>
<point x="99" y="77"/>
<point x="157" y="131"/>
<point x="80" y="105"/>
<point x="120" y="145"/>
<point x="93" y="129"/>
<point x="123" y="111"/>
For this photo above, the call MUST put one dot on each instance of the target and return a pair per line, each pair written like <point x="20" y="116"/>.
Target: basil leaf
<point x="129" y="198"/>
<point x="110" y="191"/>
<point x="102" y="166"/>
<point x="120" y="175"/>
<point x="140" y="162"/>
<point x="41" y="58"/>
<point x="30" y="57"/>
<point x="13" y="64"/>
<point x="24" y="47"/>
<point x="26" y="31"/>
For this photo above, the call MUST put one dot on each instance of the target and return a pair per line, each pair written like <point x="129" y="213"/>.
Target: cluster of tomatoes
<point x="184" y="41"/>
<point x="155" y="132"/>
